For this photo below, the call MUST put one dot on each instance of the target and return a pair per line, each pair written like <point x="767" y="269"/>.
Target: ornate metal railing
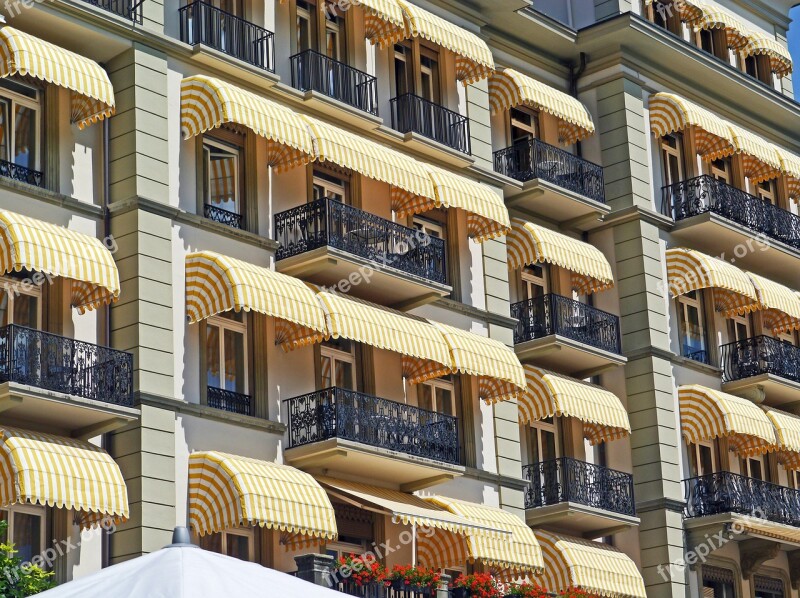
<point x="568" y="480"/>
<point x="222" y="216"/>
<point x="411" y="113"/>
<point x="553" y="314"/>
<point x="726" y="492"/>
<point x="706" y="194"/>
<point x="331" y="223"/>
<point x="350" y="415"/>
<point x="127" y="9"/>
<point x="65" y="365"/>
<point x="536" y="159"/>
<point x="205" y="24"/>
<point x="227" y="400"/>
<point x="16" y="172"/>
<point x="760" y="355"/>
<point x="699" y="355"/>
<point x="312" y="71"/>
<point x="381" y="590"/>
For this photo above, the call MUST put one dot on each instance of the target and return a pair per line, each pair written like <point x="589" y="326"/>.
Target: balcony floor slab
<point x="540" y="198"/>
<point x="699" y="529"/>
<point x="770" y="389"/>
<point x="567" y="356"/>
<point x="429" y="147"/>
<point x="579" y="520"/>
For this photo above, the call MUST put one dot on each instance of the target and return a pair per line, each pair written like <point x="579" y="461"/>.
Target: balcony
<point x="327" y="242"/>
<point x="15" y="172"/>
<point x="586" y="498"/>
<point x="555" y="183"/>
<point x="762" y="367"/>
<point x="413" y="115"/>
<point x="59" y="382"/>
<point x="229" y="401"/>
<point x="204" y="24"/>
<point x="315" y="73"/>
<point x="567" y="336"/>
<point x="130" y="10"/>
<point x="716" y="217"/>
<point x="221" y="216"/>
<point x="347" y="431"/>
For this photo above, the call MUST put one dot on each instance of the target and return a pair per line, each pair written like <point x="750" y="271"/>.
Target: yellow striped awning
<point x="599" y="569"/>
<point x="384" y="23"/>
<point x="216" y="283"/>
<point x="766" y="529"/>
<point x="761" y="160"/>
<point x="510" y="88"/>
<point x="497" y="367"/>
<point x="787" y="428"/>
<point x="779" y="57"/>
<point x="779" y="304"/>
<point x="30" y="244"/>
<point x="228" y="491"/>
<point x="689" y="270"/>
<point x="670" y="113"/>
<point x="714" y="16"/>
<point x="530" y="243"/>
<point x="688" y="11"/>
<point x="707" y="414"/>
<point x="514" y="555"/>
<point x="549" y="394"/>
<point x="370" y="159"/>
<point x="790" y="167"/>
<point x="424" y="350"/>
<point x="474" y="60"/>
<point x="48" y="470"/>
<point x="487" y="215"/>
<point x="92" y="92"/>
<point x="208" y="103"/>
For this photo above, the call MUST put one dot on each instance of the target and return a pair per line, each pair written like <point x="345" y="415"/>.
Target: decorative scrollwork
<point x="227" y="400"/>
<point x="225" y="217"/>
<point x="760" y="355"/>
<point x="16" y="172"/>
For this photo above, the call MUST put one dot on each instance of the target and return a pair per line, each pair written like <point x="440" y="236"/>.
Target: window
<point x="794" y="479"/>
<point x="221" y="176"/>
<point x="438" y="395"/>
<point x="237" y="543"/>
<point x="766" y="191"/>
<point x="22" y="307"/>
<point x="523" y="125"/>
<point x="739" y="328"/>
<point x="19" y="124"/>
<point x="534" y="281"/>
<point x="543" y="441"/>
<point x="758" y="66"/>
<point x="337" y="364"/>
<point x="672" y="159"/>
<point x="721" y="170"/>
<point x="306" y="25"/>
<point x="330" y="186"/>
<point x="717" y="582"/>
<point x="754" y="467"/>
<point x="429" y="75"/>
<point x="692" y="327"/>
<point x="335" y="35"/>
<point x="768" y="587"/>
<point x="437" y="230"/>
<point x="786" y="337"/>
<point x="704" y="458"/>
<point x="664" y="15"/>
<point x="421" y="75"/>
<point x="339" y="549"/>
<point x="226" y="361"/>
<point x="26" y="529"/>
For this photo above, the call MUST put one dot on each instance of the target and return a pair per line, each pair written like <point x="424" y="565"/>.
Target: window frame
<point x="534" y="435"/>
<point x="27" y="509"/>
<point x="697" y="302"/>
<point x="677" y="152"/>
<point x="533" y="130"/>
<point x="242" y="532"/>
<point x="416" y="48"/>
<point x="338" y="355"/>
<point x="318" y="179"/>
<point x="528" y="279"/>
<point x="14" y="98"/>
<point x="725" y="175"/>
<point x="238" y="154"/>
<point x="732" y="323"/>
<point x="17" y="289"/>
<point x="695" y="449"/>
<point x="444" y="383"/>
<point x="227" y="324"/>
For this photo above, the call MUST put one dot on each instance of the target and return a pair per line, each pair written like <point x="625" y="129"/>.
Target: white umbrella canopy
<point x="183" y="570"/>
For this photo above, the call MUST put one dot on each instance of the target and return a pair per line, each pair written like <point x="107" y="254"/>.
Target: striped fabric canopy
<point x="714" y="16"/>
<point x="787" y="428"/>
<point x="549" y="394"/>
<point x="474" y="60"/>
<point x="499" y="372"/>
<point x="761" y="160"/>
<point x="530" y="243"/>
<point x="689" y="270"/>
<point x="670" y="113"/>
<point x="383" y="21"/>
<point x="599" y="569"/>
<point x="227" y="491"/>
<point x="687" y="10"/>
<point x="366" y="157"/>
<point x="208" y="103"/>
<point x="790" y="167"/>
<point x="514" y="554"/>
<point x="30" y="244"/>
<point x="510" y="88"/>
<point x="92" y="93"/>
<point x="779" y="57"/>
<point x="780" y="304"/>
<point x="216" y="283"/>
<point x="707" y="414"/>
<point x="48" y="470"/>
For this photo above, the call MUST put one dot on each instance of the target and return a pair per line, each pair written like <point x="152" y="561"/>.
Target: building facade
<point x="502" y="287"/>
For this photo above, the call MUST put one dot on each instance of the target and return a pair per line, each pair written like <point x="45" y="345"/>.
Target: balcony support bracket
<point x="755" y="553"/>
<point x="100" y="428"/>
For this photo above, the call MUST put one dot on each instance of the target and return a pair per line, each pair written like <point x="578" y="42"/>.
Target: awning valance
<point x="599" y="569"/>
<point x="92" y="92"/>
<point x="30" y="244"/>
<point x="779" y="57"/>
<point x="208" y="103"/>
<point x="670" y="113"/>
<point x="707" y="414"/>
<point x="549" y="394"/>
<point x="787" y="428"/>
<point x="497" y="367"/>
<point x="216" y="283"/>
<point x="227" y="491"/>
<point x="779" y="304"/>
<point x="510" y="88"/>
<point x="689" y="270"/>
<point x="474" y="60"/>
<point x="761" y="160"/>
<point x="513" y="555"/>
<point x="530" y="243"/>
<point x="49" y="470"/>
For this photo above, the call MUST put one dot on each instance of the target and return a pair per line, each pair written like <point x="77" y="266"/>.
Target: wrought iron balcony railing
<point x="350" y="415"/>
<point x="536" y="159"/>
<point x="205" y="24"/>
<point x="330" y="223"/>
<point x="569" y="480"/>
<point x="699" y="355"/>
<point x="312" y="71"/>
<point x="550" y="315"/>
<point x="760" y="355"/>
<point x="413" y="114"/>
<point x="65" y="365"/>
<point x="127" y="9"/>
<point x="19" y="173"/>
<point x="225" y="217"/>
<point x="227" y="400"/>
<point x="705" y="194"/>
<point x="725" y="492"/>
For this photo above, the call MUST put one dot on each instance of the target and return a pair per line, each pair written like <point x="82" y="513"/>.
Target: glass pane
<point x="694" y="335"/>
<point x="27" y="535"/>
<point x="234" y="362"/>
<point x="444" y="401"/>
<point x="238" y="547"/>
<point x="548" y="445"/>
<point x="344" y="374"/>
<point x="706" y="460"/>
<point x="25" y="137"/>
<point x="5" y="131"/>
<point x="756" y="469"/>
<point x="212" y="357"/>
<point x="26" y="311"/>
<point x="326" y="364"/>
<point x="402" y="73"/>
<point x="425" y="397"/>
<point x="222" y="179"/>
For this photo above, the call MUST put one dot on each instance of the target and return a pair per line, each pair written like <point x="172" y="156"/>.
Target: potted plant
<point x="477" y="585"/>
<point x="526" y="590"/>
<point x="361" y="571"/>
<point x="415" y="579"/>
<point x="572" y="592"/>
